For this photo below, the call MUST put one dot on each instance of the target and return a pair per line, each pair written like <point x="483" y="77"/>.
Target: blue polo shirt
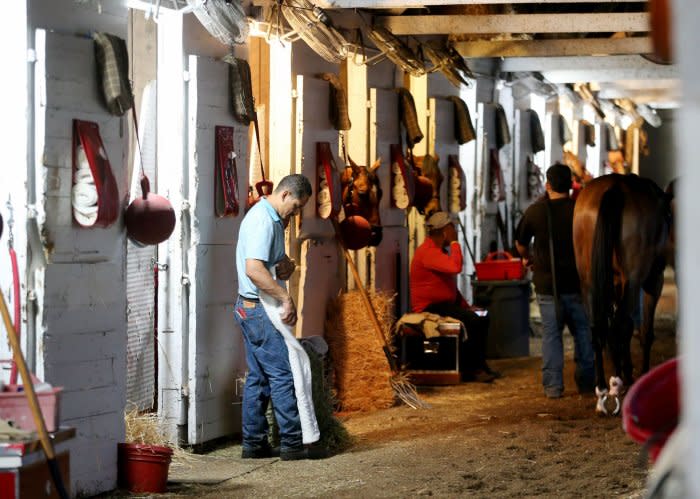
<point x="261" y="237"/>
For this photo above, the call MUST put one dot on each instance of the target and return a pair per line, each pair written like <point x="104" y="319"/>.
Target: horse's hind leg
<point x="625" y="329"/>
<point x="652" y="291"/>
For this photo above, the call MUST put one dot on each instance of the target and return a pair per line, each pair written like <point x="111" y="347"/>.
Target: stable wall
<point x="81" y="292"/>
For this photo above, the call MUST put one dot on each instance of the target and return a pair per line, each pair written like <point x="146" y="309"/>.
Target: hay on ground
<point x="360" y="366"/>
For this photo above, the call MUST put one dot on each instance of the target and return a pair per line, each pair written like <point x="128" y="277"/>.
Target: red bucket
<point x="143" y="468"/>
<point x="651" y="408"/>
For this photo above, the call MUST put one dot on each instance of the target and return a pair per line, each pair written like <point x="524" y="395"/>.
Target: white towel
<point x="301" y="369"/>
<point x="84" y="193"/>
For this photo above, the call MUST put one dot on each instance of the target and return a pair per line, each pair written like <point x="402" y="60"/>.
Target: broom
<point x="403" y="388"/>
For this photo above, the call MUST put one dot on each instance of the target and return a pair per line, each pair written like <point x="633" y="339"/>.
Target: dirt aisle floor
<point x="499" y="440"/>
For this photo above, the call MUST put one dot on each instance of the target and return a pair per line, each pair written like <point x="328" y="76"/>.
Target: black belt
<point x="255" y="300"/>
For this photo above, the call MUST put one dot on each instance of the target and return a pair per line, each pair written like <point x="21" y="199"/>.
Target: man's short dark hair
<point x="559" y="178"/>
<point x="298" y="185"/>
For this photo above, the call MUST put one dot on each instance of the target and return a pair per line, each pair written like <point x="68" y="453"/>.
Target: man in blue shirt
<point x="260" y="250"/>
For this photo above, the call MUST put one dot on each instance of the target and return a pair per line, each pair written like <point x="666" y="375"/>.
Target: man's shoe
<point x="495" y="374"/>
<point x="479" y="376"/>
<point x="312" y="451"/>
<point x="260" y="453"/>
<point x="554" y="393"/>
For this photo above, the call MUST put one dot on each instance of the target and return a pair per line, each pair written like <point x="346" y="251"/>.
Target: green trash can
<point x="508" y="303"/>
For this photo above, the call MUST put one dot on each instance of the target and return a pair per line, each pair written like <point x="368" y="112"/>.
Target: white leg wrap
<point x="616" y="386"/>
<point x="600" y="404"/>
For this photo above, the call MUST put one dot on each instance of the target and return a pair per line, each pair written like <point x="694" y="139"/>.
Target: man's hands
<point x="450" y="233"/>
<point x="289" y="312"/>
<point x="285" y="268"/>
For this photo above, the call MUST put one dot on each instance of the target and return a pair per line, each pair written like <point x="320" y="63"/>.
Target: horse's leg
<point x="626" y="329"/>
<point x="652" y="291"/>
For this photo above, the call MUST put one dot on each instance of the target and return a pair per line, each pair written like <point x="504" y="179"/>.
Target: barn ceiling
<point x="604" y="42"/>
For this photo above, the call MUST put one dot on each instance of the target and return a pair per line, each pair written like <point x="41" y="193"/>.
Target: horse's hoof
<point x="613" y="405"/>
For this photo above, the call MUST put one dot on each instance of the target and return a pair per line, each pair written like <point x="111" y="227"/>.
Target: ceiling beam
<point x="578" y="75"/>
<point x="581" y="63"/>
<point x="551" y="48"/>
<point x="633" y="22"/>
<point x="407" y="4"/>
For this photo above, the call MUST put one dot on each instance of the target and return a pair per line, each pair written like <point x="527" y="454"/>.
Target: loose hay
<point x="145" y="429"/>
<point x="361" y="369"/>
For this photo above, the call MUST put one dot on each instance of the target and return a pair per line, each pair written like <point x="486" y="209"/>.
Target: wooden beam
<point x="613" y="62"/>
<point x="407" y="4"/>
<point x="549" y="48"/>
<point x="516" y="23"/>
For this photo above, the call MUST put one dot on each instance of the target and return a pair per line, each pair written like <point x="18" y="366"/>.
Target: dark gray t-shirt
<point x="534" y="224"/>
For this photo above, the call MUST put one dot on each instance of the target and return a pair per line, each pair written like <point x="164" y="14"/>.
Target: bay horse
<point x="623" y="240"/>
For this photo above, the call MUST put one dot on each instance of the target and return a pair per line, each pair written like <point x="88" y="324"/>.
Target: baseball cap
<point x="438" y="220"/>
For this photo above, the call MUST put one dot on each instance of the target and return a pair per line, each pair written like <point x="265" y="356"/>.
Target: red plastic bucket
<point x="143" y="468"/>
<point x="651" y="408"/>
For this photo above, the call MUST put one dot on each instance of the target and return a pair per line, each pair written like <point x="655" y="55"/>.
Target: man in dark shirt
<point x="558" y="290"/>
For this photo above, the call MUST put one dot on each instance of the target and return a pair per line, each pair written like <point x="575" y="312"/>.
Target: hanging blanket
<point x="301" y="370"/>
<point x="409" y="117"/>
<point x="464" y="130"/>
<point x="564" y="130"/>
<point x="113" y="69"/>
<point x="338" y="104"/>
<point x="502" y="130"/>
<point x="536" y="135"/>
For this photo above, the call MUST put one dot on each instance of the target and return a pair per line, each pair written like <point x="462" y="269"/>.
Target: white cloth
<point x="301" y="369"/>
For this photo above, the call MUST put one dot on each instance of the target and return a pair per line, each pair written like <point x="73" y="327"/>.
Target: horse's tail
<point x="605" y="241"/>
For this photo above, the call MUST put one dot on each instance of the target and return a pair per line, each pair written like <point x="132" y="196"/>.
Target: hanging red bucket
<point x="143" y="468"/>
<point x="651" y="408"/>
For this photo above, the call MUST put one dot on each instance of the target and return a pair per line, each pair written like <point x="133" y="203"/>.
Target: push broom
<point x="33" y="401"/>
<point x="402" y="387"/>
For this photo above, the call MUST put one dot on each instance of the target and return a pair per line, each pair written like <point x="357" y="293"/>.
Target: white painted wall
<point x="319" y="258"/>
<point x="390" y="275"/>
<point x="13" y="140"/>
<point x="173" y="290"/>
<point x="81" y="337"/>
<point x="215" y="343"/>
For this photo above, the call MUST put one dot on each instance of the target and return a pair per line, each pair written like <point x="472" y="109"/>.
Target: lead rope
<point x="257" y="140"/>
<point x="17" y="319"/>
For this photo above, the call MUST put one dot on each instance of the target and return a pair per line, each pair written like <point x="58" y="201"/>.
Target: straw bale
<point x="361" y="369"/>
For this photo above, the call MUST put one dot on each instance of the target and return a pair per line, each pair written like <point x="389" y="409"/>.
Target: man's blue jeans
<point x="269" y="375"/>
<point x="573" y="314"/>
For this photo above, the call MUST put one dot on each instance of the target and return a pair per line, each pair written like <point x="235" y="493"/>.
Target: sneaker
<point x="312" y="451"/>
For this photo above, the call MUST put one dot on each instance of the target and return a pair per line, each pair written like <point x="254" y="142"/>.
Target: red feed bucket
<point x="143" y="468"/>
<point x="651" y="408"/>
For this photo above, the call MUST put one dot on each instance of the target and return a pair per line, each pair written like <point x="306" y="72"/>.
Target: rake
<point x="402" y="387"/>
